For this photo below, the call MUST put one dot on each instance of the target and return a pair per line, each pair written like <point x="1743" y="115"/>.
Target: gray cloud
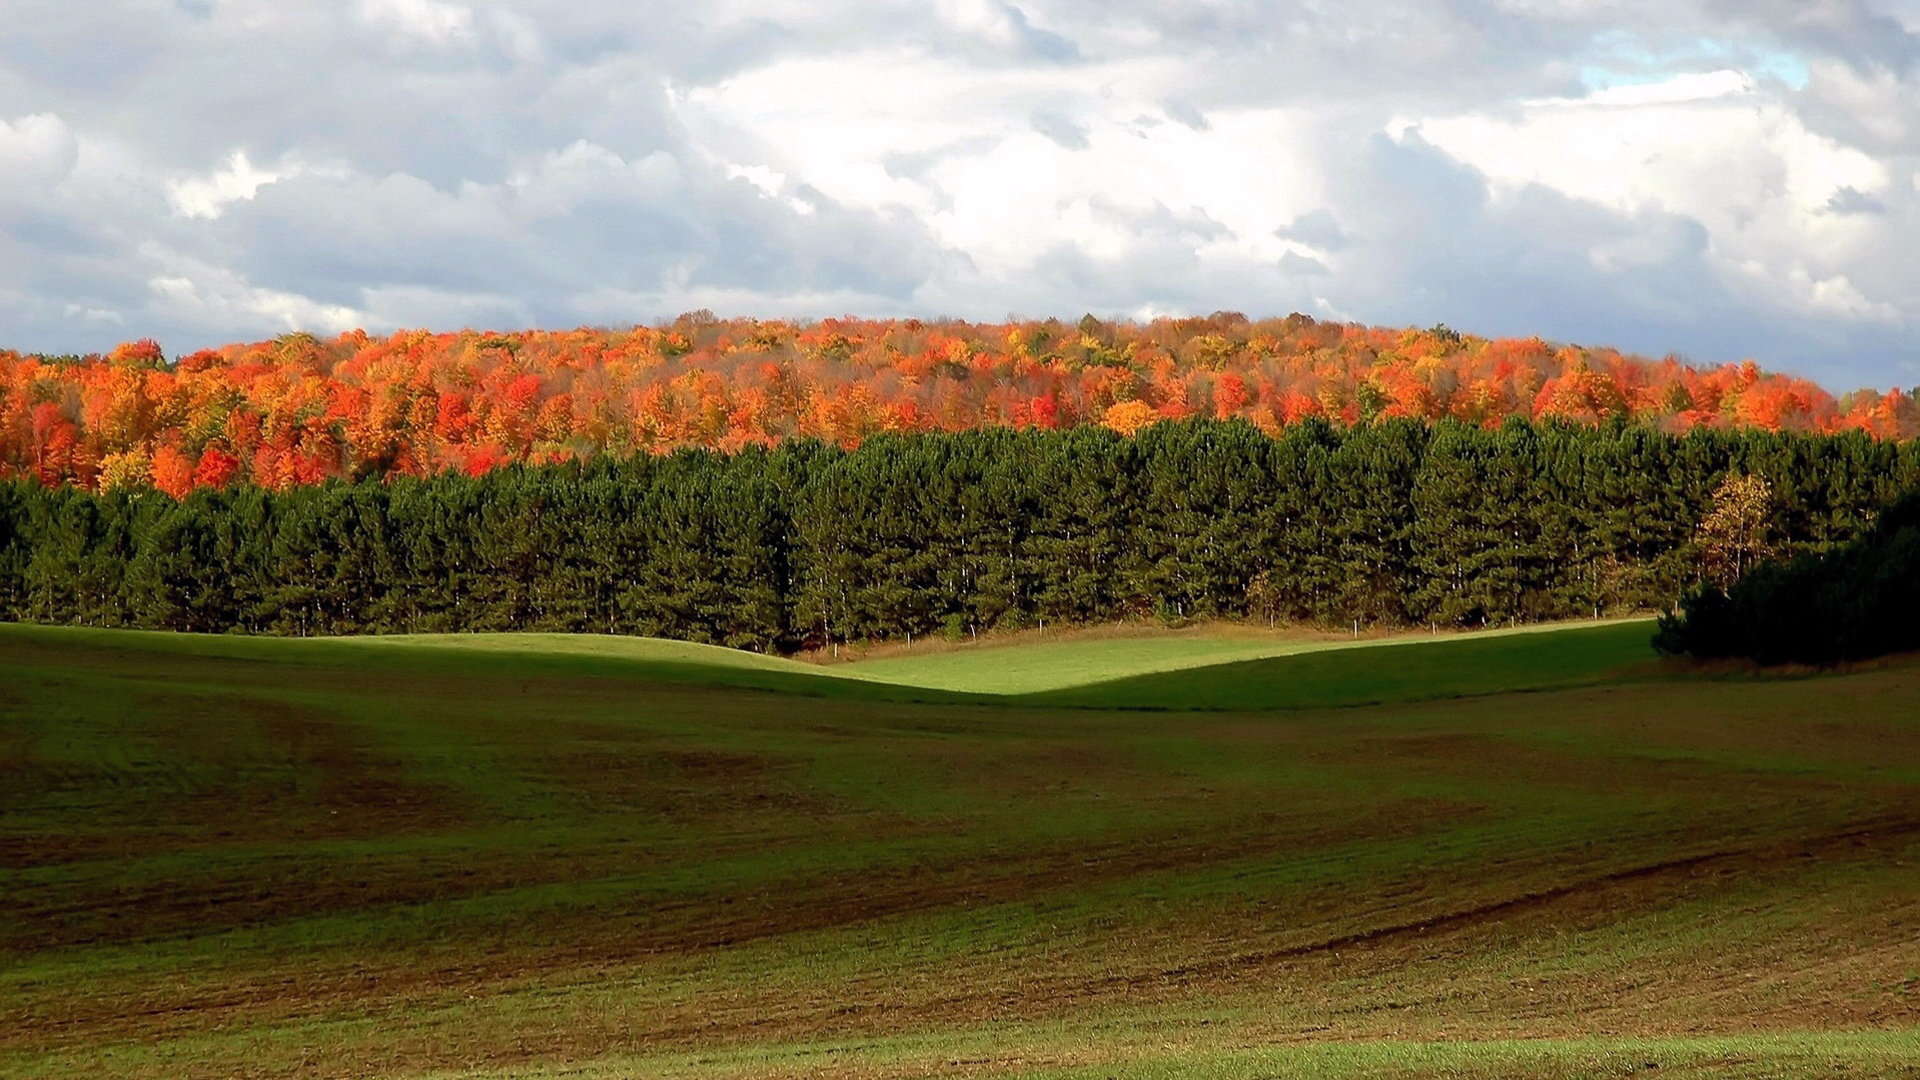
<point x="1316" y="228"/>
<point x="1862" y="34"/>
<point x="1184" y="113"/>
<point x="1043" y="44"/>
<point x="1293" y="263"/>
<point x="1441" y="245"/>
<point x="1851" y="200"/>
<point x="1060" y="128"/>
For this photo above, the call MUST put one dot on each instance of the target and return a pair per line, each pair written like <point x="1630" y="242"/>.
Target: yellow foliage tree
<point x="1128" y="417"/>
<point x="124" y="470"/>
<point x="1739" y="531"/>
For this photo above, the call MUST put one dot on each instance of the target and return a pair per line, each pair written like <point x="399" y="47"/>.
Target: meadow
<point x="1234" y="855"/>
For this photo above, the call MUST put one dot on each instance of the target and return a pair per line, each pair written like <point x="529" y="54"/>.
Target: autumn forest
<point x="299" y="409"/>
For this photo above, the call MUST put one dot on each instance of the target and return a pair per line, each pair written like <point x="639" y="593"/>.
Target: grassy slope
<point x="585" y="656"/>
<point x="1042" y="667"/>
<point x="227" y="857"/>
<point x="1388" y="671"/>
<point x="1165" y="671"/>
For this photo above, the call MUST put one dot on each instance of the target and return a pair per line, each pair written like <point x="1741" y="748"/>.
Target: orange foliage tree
<point x="298" y="409"/>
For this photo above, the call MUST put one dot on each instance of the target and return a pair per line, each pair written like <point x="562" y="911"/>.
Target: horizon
<point x="173" y="356"/>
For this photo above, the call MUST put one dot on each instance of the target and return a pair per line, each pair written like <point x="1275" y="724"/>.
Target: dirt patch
<point x="674" y="785"/>
<point x="354" y="788"/>
<point x="271" y="772"/>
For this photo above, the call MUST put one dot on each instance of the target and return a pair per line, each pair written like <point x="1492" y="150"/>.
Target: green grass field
<point x="1210" y="854"/>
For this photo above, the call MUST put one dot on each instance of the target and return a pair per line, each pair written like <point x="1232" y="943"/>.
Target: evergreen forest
<point x="1401" y="523"/>
<point x="1853" y="602"/>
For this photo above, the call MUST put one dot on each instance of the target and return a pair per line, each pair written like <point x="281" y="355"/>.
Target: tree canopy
<point x="299" y="409"/>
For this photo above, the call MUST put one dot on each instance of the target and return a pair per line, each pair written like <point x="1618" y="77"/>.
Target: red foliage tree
<point x="172" y="471"/>
<point x="216" y="469"/>
<point x="298" y="409"/>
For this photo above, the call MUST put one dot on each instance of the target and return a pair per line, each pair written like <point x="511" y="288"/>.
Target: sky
<point x="1722" y="179"/>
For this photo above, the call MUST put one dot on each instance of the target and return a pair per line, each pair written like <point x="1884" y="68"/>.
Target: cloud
<point x="36" y="151"/>
<point x="434" y="21"/>
<point x="1847" y="199"/>
<point x="208" y="196"/>
<point x="1294" y="264"/>
<point x="1316" y="228"/>
<point x="1009" y="28"/>
<point x="1680" y="89"/>
<point x="1755" y="180"/>
<point x="1725" y="179"/>
<point x="1182" y="112"/>
<point x="1060" y="129"/>
<point x="564" y="230"/>
<point x="1446" y="242"/>
<point x="212" y="295"/>
<point x="1862" y="34"/>
<point x="96" y="315"/>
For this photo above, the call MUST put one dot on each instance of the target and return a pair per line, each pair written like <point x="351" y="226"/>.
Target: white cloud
<point x="559" y="182"/>
<point x="1739" y="162"/>
<point x="989" y="184"/>
<point x="214" y="296"/>
<point x="1692" y="86"/>
<point x="1838" y="296"/>
<point x="37" y="150"/>
<point x="208" y="196"/>
<point x="771" y="182"/>
<point x="95" y="315"/>
<point x="434" y="21"/>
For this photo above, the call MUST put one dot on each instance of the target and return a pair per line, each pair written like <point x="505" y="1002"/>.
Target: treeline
<point x="1851" y="603"/>
<point x="300" y="410"/>
<point x="1398" y="523"/>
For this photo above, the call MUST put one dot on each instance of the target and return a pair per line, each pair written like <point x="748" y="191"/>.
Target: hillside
<point x="298" y="410"/>
<point x="1149" y="667"/>
<point x="542" y="856"/>
<point x="1222" y="667"/>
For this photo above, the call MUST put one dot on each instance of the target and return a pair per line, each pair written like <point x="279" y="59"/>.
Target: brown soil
<point x="1414" y="978"/>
